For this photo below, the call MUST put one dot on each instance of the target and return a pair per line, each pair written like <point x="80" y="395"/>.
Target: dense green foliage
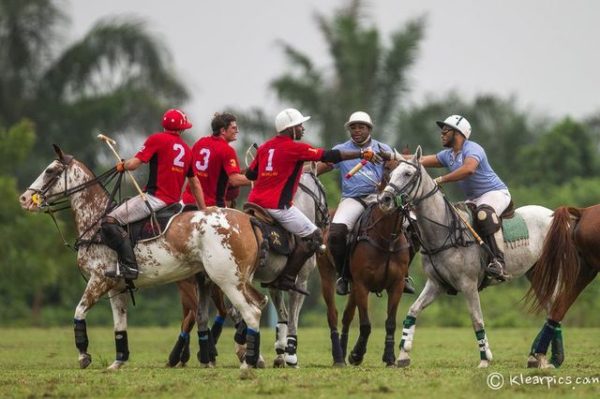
<point x="51" y="92"/>
<point x="43" y="363"/>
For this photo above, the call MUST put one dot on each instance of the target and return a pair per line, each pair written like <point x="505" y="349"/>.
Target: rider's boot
<point x="116" y="238"/>
<point x="337" y="243"/>
<point x="408" y="287"/>
<point x="305" y="248"/>
<point x="495" y="268"/>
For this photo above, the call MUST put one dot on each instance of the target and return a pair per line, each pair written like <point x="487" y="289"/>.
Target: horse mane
<point x="555" y="273"/>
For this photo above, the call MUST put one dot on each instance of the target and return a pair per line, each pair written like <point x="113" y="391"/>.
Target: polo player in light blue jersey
<point x="469" y="167"/>
<point x="357" y="192"/>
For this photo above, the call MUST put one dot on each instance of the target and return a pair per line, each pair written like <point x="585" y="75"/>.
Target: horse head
<point x="48" y="185"/>
<point x="405" y="183"/>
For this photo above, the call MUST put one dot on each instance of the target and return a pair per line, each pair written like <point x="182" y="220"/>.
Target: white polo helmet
<point x="457" y="122"/>
<point x="289" y="117"/>
<point x="359" y="117"/>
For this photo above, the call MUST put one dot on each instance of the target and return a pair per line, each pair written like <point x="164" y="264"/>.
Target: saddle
<point x="147" y="229"/>
<point x="275" y="237"/>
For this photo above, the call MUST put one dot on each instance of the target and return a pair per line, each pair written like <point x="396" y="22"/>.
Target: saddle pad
<point x="515" y="229"/>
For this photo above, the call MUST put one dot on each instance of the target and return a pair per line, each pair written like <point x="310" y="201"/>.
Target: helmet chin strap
<point x="362" y="142"/>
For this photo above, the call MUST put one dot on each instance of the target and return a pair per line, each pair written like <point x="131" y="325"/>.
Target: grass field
<point x="43" y="363"/>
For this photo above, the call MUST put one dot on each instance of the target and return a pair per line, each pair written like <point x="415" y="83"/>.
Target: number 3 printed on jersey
<point x="202" y="164"/>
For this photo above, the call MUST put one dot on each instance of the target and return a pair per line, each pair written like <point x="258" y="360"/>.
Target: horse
<point x="311" y="200"/>
<point x="452" y="261"/>
<point x="570" y="260"/>
<point x="218" y="242"/>
<point x="378" y="261"/>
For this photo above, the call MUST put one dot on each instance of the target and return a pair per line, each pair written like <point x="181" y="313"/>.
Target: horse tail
<point x="555" y="272"/>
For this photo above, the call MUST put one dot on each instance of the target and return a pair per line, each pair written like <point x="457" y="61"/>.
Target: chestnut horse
<point x="570" y="260"/>
<point x="218" y="242"/>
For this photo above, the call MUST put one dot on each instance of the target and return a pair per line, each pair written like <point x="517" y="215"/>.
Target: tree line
<point x="108" y="80"/>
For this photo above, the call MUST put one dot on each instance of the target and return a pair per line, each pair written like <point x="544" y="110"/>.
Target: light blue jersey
<point x="483" y="180"/>
<point x="360" y="185"/>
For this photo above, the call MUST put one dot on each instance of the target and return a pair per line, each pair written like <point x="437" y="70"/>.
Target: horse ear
<point x="397" y="155"/>
<point x="58" y="152"/>
<point x="418" y="154"/>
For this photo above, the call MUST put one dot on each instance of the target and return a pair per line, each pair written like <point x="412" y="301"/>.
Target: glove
<point x="120" y="167"/>
<point x="439" y="180"/>
<point x="370" y="155"/>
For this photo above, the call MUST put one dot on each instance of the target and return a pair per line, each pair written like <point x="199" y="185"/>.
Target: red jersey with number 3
<point x="169" y="158"/>
<point x="278" y="165"/>
<point x="213" y="160"/>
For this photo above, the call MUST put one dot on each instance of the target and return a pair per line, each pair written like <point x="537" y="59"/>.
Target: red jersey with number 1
<point x="278" y="165"/>
<point x="170" y="160"/>
<point x="213" y="160"/>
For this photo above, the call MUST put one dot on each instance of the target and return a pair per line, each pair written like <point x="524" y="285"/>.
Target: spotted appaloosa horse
<point x="451" y="260"/>
<point x="570" y="260"/>
<point x="219" y="242"/>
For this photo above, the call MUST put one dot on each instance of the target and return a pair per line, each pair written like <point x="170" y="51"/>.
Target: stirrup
<point x="342" y="286"/>
<point x="279" y="285"/>
<point x="122" y="271"/>
<point x="496" y="271"/>
<point x="408" y="287"/>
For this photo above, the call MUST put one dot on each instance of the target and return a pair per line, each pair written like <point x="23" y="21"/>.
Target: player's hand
<point x="120" y="167"/>
<point x="370" y="155"/>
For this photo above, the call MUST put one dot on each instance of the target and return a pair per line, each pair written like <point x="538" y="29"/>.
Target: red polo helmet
<point x="175" y="120"/>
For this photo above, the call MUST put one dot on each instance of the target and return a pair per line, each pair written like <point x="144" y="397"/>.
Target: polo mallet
<point x="110" y="142"/>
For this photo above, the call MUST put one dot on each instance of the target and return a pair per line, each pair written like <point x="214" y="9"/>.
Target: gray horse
<point x="452" y="260"/>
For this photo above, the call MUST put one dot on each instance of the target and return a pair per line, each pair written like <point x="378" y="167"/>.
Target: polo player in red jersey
<point x="277" y="169"/>
<point x="215" y="162"/>
<point x="170" y="160"/>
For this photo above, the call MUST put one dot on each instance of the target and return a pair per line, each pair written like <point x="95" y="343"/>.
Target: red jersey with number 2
<point x="278" y="164"/>
<point x="170" y="159"/>
<point x="213" y="160"/>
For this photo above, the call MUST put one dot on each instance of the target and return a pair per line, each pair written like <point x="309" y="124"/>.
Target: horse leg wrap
<point x="240" y="333"/>
<point x="292" y="344"/>
<point x="253" y="347"/>
<point x="217" y="328"/>
<point x="178" y="351"/>
<point x="483" y="344"/>
<point x="203" y="341"/>
<point x="408" y="332"/>
<point x="122" y="345"/>
<point x="388" y="352"/>
<point x="336" y="347"/>
<point x="344" y="342"/>
<point x="81" y="338"/>
<point x="558" y="351"/>
<point x="546" y="336"/>
<point x="212" y="347"/>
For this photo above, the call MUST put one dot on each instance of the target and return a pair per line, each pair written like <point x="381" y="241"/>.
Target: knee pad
<point x="338" y="232"/>
<point x="487" y="221"/>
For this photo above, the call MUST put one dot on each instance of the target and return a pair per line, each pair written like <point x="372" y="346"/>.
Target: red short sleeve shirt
<point x="213" y="160"/>
<point x="278" y="165"/>
<point x="169" y="158"/>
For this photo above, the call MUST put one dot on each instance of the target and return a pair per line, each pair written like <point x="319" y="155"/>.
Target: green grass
<point x="43" y="363"/>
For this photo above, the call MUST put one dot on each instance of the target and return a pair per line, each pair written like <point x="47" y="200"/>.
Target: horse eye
<point x="407" y="173"/>
<point x="49" y="171"/>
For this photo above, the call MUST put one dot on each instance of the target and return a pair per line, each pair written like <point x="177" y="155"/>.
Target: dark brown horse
<point x="570" y="260"/>
<point x="378" y="262"/>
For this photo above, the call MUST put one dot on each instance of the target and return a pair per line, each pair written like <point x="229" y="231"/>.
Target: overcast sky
<point x="544" y="52"/>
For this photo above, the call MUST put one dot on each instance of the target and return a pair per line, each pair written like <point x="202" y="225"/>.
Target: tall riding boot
<point x="338" y="246"/>
<point x="305" y="248"/>
<point x="116" y="238"/>
<point x="495" y="268"/>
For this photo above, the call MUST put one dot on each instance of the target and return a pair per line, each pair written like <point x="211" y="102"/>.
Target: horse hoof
<point x="390" y="365"/>
<point x="532" y="362"/>
<point x="354" y="359"/>
<point x="339" y="364"/>
<point x="260" y="363"/>
<point x="240" y="352"/>
<point x="543" y="361"/>
<point x="291" y="360"/>
<point x="85" y="359"/>
<point x="279" y="362"/>
<point x="483" y="364"/>
<point x="116" y="365"/>
<point x="207" y="366"/>
<point x="403" y="362"/>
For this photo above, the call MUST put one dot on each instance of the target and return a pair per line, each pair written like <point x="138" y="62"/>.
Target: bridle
<point x="401" y="195"/>
<point x="320" y="199"/>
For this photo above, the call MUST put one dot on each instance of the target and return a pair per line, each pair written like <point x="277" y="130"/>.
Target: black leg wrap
<point x="546" y="336"/>
<point x="122" y="345"/>
<point x="185" y="351"/>
<point x="176" y="354"/>
<point x="344" y="342"/>
<point x="252" y="348"/>
<point x="292" y="344"/>
<point x="336" y="347"/>
<point x="240" y="333"/>
<point x="212" y="347"/>
<point x="203" y="356"/>
<point x="388" y="352"/>
<point x="216" y="330"/>
<point x="81" y="338"/>
<point x="558" y="350"/>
